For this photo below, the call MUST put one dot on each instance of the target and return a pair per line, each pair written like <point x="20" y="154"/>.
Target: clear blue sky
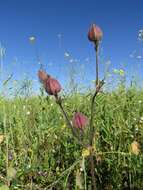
<point x="45" y="19"/>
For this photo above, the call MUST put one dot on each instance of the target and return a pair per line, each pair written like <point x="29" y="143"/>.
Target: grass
<point x="37" y="150"/>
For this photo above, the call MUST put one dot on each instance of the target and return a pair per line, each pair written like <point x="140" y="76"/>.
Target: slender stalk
<point x="92" y="170"/>
<point x="98" y="87"/>
<point x="92" y="130"/>
<point x="58" y="101"/>
<point x="97" y="70"/>
<point x="7" y="147"/>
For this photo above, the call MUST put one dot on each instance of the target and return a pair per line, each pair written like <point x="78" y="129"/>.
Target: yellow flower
<point x="135" y="147"/>
<point x="1" y="138"/>
<point x="64" y="126"/>
<point x="121" y="72"/>
<point x="86" y="152"/>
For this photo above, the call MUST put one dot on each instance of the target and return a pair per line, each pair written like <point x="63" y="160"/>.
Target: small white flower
<point x="28" y="166"/>
<point x="66" y="54"/>
<point x="32" y="38"/>
<point x="81" y="169"/>
<point x="28" y="113"/>
<point x="136" y="129"/>
<point x="53" y="151"/>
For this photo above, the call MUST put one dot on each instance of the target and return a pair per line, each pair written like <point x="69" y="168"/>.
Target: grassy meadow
<point x="38" y="151"/>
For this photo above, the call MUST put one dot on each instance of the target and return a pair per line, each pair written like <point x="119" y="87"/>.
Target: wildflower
<point x="140" y="35"/>
<point x="66" y="54"/>
<point x="51" y="85"/>
<point x="28" y="113"/>
<point x="1" y="138"/>
<point x="86" y="152"/>
<point x="95" y="34"/>
<point x="135" y="147"/>
<point x="64" y="126"/>
<point x="32" y="39"/>
<point x="42" y="76"/>
<point x="121" y="72"/>
<point x="141" y="120"/>
<point x="79" y="120"/>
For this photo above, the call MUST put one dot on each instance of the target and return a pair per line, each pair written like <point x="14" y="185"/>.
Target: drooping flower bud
<point x="79" y="120"/>
<point x="95" y="34"/>
<point x="42" y="76"/>
<point x="51" y="85"/>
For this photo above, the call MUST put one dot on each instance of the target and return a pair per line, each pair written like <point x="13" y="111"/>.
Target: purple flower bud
<point x="51" y="85"/>
<point x="79" y="120"/>
<point x="42" y="76"/>
<point x="95" y="33"/>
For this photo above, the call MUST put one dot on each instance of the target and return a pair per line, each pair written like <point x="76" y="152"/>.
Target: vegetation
<point x="37" y="150"/>
<point x="103" y="152"/>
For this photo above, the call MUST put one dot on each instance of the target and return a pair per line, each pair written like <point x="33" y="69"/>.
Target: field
<point x="38" y="151"/>
<point x="74" y="136"/>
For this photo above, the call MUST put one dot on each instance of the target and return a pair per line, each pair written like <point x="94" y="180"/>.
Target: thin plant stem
<point x="58" y="101"/>
<point x="6" y="137"/>
<point x="92" y="130"/>
<point x="92" y="169"/>
<point x="97" y="66"/>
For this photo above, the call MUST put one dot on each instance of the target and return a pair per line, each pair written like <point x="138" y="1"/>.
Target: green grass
<point x="39" y="151"/>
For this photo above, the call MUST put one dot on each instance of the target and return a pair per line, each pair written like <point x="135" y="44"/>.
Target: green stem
<point x="97" y="70"/>
<point x="92" y="130"/>
<point x="58" y="101"/>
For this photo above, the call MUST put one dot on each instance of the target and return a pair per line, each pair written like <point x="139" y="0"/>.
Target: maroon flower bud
<point x="51" y="85"/>
<point x="95" y="34"/>
<point x="42" y="76"/>
<point x="79" y="120"/>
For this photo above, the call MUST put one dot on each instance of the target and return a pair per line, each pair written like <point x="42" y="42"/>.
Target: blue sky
<point x="46" y="19"/>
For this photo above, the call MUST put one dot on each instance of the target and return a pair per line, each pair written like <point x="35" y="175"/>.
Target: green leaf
<point x="4" y="187"/>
